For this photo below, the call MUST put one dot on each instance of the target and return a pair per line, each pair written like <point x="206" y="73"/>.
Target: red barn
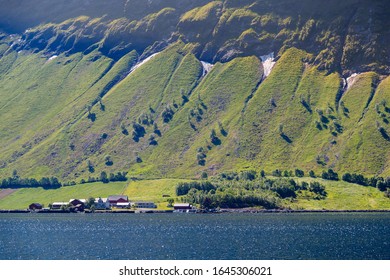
<point x="114" y="199"/>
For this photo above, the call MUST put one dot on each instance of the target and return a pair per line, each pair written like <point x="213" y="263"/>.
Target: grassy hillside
<point x="214" y="104"/>
<point x="344" y="196"/>
<point x="84" y="112"/>
<point x="58" y="92"/>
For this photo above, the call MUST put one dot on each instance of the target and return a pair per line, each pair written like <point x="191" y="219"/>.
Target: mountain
<point x="177" y="88"/>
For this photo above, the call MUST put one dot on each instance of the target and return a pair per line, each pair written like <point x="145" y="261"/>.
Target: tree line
<point x="15" y="181"/>
<point x="106" y="178"/>
<point x="381" y="183"/>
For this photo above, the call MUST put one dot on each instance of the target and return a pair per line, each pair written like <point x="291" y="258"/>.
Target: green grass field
<point x="146" y="190"/>
<point x="153" y="190"/>
<point x="21" y="198"/>
<point x="344" y="196"/>
<point x="341" y="195"/>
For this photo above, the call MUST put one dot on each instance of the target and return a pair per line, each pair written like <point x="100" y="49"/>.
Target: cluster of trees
<point x="138" y="131"/>
<point x="330" y="175"/>
<point x="248" y="175"/>
<point x="289" y="173"/>
<point x="383" y="184"/>
<point x="202" y="152"/>
<point x="230" y="199"/>
<point x="118" y="177"/>
<point x="15" y="181"/>
<point x="214" y="138"/>
<point x="358" y="179"/>
<point x="146" y="119"/>
<point x="167" y="114"/>
<point x="185" y="187"/>
<point x="237" y="190"/>
<point x="201" y="156"/>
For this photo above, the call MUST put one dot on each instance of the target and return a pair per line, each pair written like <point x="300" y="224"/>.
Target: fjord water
<point x="191" y="236"/>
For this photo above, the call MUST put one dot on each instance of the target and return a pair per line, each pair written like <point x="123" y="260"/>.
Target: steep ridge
<point x="214" y="105"/>
<point x="344" y="36"/>
<point x="166" y="89"/>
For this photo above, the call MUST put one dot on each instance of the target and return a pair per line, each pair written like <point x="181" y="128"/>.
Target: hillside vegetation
<point x="177" y="89"/>
<point x="339" y="195"/>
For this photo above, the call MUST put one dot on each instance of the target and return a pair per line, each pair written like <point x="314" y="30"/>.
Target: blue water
<point x="194" y="236"/>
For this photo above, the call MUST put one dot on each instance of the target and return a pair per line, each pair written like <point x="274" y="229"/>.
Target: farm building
<point x="114" y="199"/>
<point x="144" y="204"/>
<point x="123" y="205"/>
<point x="58" y="205"/>
<point x="182" y="206"/>
<point x="102" y="203"/>
<point x="75" y="202"/>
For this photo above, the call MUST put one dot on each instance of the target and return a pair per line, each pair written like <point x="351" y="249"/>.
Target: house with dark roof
<point x="75" y="202"/>
<point x="35" y="206"/>
<point x="114" y="199"/>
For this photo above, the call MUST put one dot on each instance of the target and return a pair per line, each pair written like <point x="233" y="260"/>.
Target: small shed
<point x="35" y="206"/>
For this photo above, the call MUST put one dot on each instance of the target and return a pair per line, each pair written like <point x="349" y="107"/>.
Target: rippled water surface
<point x="192" y="236"/>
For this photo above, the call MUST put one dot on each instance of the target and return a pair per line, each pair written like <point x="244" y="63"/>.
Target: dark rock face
<point x="344" y="36"/>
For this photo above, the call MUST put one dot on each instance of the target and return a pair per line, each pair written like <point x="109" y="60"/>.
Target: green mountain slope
<point x="85" y="91"/>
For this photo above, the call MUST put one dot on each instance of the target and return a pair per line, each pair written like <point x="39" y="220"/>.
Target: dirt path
<point x="6" y="192"/>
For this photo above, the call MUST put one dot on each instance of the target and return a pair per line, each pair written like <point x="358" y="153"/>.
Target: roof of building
<point x="60" y="203"/>
<point x="181" y="205"/>
<point x="36" y="204"/>
<point x="123" y="204"/>
<point x="104" y="200"/>
<point x="79" y="205"/>
<point x="117" y="197"/>
<point x="76" y="199"/>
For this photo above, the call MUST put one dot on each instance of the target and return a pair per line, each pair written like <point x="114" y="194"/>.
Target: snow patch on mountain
<point x="206" y="67"/>
<point x="140" y="63"/>
<point x="348" y="82"/>
<point x="268" y="64"/>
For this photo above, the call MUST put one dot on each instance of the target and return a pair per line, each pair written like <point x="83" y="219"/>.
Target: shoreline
<point x="222" y="211"/>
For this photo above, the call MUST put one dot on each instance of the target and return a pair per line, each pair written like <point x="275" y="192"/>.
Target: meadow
<point x="340" y="195"/>
<point x="22" y="198"/>
<point x="343" y="196"/>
